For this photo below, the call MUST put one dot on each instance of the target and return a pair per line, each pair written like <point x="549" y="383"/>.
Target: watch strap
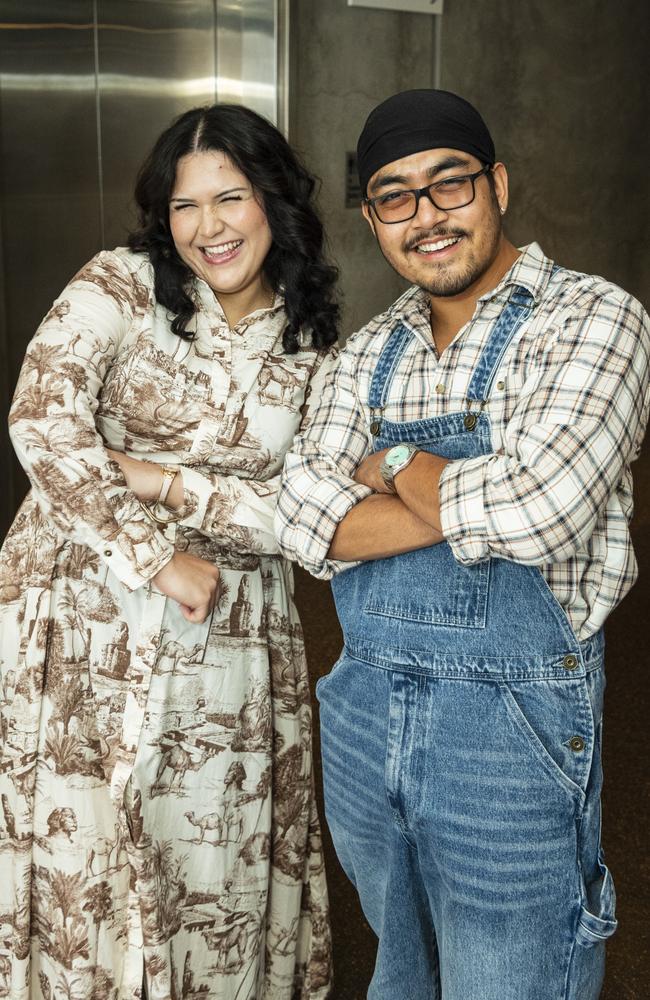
<point x="169" y="474"/>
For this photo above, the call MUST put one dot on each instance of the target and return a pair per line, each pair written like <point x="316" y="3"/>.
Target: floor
<point x="626" y="825"/>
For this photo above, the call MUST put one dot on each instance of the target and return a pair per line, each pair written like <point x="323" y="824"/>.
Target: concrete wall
<point x="563" y="87"/>
<point x="345" y="60"/>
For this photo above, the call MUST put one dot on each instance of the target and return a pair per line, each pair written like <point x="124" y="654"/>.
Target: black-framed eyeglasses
<point x="448" y="194"/>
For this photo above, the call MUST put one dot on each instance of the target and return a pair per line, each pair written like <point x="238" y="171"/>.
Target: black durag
<point x="416" y="120"/>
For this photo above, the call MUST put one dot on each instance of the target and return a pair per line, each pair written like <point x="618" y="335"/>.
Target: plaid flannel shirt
<point x="568" y="410"/>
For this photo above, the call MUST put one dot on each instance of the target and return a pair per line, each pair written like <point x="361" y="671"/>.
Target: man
<point x="468" y="469"/>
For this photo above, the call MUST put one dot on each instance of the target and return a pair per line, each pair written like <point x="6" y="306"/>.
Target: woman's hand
<point x="145" y="479"/>
<point x="192" y="582"/>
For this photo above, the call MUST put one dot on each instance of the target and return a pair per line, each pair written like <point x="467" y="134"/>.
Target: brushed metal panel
<point x="156" y="59"/>
<point x="49" y="186"/>
<point x="414" y="6"/>
<point x="247" y="55"/>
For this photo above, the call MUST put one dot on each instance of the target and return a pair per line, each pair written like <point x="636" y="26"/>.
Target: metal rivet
<point x="577" y="744"/>
<point x="108" y="552"/>
<point x="501" y="385"/>
<point x="375" y="427"/>
<point x="470" y="421"/>
<point x="570" y="662"/>
<point x="440" y="387"/>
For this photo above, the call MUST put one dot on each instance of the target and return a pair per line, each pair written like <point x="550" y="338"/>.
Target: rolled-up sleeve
<point x="317" y="488"/>
<point x="578" y="422"/>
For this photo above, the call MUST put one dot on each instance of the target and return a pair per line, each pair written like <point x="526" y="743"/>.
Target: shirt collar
<point x="208" y="302"/>
<point x="531" y="271"/>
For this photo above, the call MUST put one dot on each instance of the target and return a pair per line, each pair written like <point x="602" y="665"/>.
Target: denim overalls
<point x="461" y="751"/>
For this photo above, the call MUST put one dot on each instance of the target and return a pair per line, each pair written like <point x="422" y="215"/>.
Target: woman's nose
<point x="211" y="222"/>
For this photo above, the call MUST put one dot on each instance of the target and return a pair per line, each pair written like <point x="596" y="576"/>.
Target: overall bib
<point x="461" y="752"/>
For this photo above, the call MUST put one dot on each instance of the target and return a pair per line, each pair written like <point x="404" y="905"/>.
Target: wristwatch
<point x="396" y="459"/>
<point x="169" y="474"/>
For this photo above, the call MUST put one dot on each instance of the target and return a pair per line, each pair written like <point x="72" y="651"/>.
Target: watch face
<point x="397" y="454"/>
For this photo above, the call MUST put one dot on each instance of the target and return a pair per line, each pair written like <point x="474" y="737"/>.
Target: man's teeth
<point x="223" y="248"/>
<point x="439" y="245"/>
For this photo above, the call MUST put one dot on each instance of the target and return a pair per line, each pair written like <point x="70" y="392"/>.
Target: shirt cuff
<point x="245" y="509"/>
<point x="198" y="490"/>
<point x="462" y="509"/>
<point x="136" y="553"/>
<point x="324" y="507"/>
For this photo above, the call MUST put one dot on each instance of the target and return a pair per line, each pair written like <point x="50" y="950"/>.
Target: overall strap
<point x="384" y="373"/>
<point x="515" y="312"/>
<point x="517" y="309"/>
<point x="387" y="364"/>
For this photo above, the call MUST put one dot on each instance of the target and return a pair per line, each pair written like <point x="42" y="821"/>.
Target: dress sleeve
<point x="240" y="512"/>
<point x="318" y="488"/>
<point x="52" y="423"/>
<point x="577" y="425"/>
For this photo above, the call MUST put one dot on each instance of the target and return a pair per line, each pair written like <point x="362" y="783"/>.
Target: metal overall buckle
<point x="471" y="419"/>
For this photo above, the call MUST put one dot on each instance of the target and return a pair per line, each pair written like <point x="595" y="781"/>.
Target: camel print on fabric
<point x="156" y="797"/>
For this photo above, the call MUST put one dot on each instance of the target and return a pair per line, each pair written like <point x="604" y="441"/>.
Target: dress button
<point x="440" y="388"/>
<point x="108" y="552"/>
<point x="577" y="744"/>
<point x="570" y="662"/>
<point x="501" y="386"/>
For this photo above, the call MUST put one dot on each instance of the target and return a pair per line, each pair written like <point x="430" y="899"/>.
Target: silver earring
<point x="502" y="210"/>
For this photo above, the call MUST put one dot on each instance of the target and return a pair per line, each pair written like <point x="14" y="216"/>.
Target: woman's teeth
<point x="222" y="249"/>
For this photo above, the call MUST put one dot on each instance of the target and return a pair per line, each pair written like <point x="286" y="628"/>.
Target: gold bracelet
<point x="159" y="520"/>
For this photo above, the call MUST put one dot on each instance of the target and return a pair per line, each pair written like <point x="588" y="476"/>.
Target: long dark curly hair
<point x="295" y="264"/>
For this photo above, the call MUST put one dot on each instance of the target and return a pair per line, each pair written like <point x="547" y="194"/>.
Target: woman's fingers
<point x="192" y="582"/>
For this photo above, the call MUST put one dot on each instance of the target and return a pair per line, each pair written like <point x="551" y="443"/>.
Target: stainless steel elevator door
<point x="85" y="88"/>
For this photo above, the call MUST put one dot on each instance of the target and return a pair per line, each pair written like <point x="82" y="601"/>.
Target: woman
<point x="156" y="772"/>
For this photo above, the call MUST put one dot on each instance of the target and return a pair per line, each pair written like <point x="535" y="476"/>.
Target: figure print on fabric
<point x="155" y="778"/>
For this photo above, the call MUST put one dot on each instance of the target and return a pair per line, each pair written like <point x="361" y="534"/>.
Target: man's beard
<point x="449" y="282"/>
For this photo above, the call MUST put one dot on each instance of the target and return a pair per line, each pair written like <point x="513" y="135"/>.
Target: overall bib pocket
<point x="429" y="586"/>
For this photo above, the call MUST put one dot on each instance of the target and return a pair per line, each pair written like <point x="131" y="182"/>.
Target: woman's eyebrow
<point x="180" y="197"/>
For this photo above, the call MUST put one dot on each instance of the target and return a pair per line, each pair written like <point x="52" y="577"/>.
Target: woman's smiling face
<point x="220" y="231"/>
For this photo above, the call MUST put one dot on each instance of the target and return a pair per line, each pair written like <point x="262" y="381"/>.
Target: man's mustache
<point x="432" y="236"/>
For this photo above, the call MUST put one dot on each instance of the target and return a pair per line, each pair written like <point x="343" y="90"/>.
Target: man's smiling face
<point x="445" y="252"/>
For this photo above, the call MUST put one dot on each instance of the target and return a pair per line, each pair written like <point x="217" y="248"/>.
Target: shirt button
<point x="441" y="388"/>
<point x="108" y="552"/>
<point x="570" y="662"/>
<point x="577" y="744"/>
<point x="501" y="385"/>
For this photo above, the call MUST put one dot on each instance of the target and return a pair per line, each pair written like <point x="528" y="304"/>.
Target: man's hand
<point x="368" y="473"/>
<point x="416" y="485"/>
<point x="194" y="583"/>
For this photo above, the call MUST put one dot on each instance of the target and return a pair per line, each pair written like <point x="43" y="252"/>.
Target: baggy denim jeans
<point x="461" y="743"/>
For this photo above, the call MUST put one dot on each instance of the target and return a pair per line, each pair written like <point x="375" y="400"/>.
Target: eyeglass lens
<point x="398" y="206"/>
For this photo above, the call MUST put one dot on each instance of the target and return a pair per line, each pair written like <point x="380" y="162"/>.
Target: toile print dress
<point x="156" y="790"/>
